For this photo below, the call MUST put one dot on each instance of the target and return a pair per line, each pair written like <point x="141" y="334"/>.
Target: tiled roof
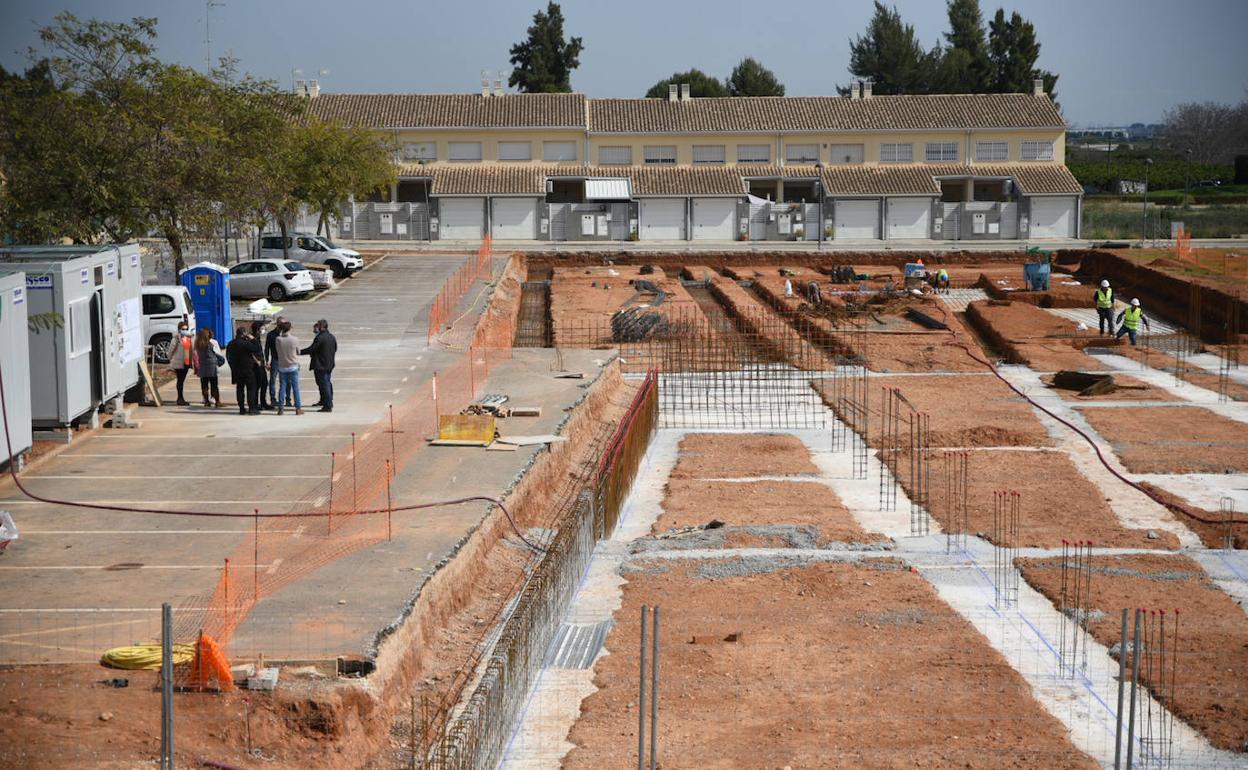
<point x="453" y="110"/>
<point x="652" y="181"/>
<point x="818" y="113"/>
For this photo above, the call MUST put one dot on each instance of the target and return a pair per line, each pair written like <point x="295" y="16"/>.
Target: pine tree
<point x="966" y="68"/>
<point x="700" y="84"/>
<point x="750" y="78"/>
<point x="890" y="55"/>
<point x="1013" y="51"/>
<point x="544" y="62"/>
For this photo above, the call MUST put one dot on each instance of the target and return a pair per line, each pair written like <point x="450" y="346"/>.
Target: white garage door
<point x="714" y="219"/>
<point x="1052" y="218"/>
<point x="462" y="219"/>
<point x="857" y="220"/>
<point x="909" y="217"/>
<point x="515" y="219"/>
<point x="663" y="219"/>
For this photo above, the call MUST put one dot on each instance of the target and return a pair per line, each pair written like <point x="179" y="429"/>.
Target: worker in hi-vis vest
<point x="1105" y="307"/>
<point x="1130" y="320"/>
<point x="942" y="280"/>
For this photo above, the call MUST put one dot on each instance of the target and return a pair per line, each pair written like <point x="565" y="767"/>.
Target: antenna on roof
<point x="485" y="83"/>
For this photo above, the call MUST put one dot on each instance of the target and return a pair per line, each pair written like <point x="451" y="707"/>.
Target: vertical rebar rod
<point x="166" y="687"/>
<point x="329" y="519"/>
<point x="1122" y="675"/>
<point x="654" y="696"/>
<point x="641" y="696"/>
<point x="1135" y="678"/>
<point x="255" y="555"/>
<point x="355" y="497"/>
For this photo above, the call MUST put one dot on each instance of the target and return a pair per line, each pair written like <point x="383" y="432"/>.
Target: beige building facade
<point x="853" y="168"/>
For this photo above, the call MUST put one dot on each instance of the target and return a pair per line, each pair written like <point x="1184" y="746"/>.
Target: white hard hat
<point x="1135" y="302"/>
<point x="1104" y="284"/>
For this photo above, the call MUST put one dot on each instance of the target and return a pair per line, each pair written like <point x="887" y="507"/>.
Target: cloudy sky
<point x="1120" y="61"/>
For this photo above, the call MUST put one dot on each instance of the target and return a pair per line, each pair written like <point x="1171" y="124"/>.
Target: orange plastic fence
<point x="456" y="286"/>
<point x="1183" y="245"/>
<point x="330" y="521"/>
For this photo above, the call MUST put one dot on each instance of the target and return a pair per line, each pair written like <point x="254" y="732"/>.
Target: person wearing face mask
<point x="179" y="354"/>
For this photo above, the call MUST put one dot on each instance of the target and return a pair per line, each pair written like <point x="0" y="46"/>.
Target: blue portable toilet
<point x="209" y="287"/>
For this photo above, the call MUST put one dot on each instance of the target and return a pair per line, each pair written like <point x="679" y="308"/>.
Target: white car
<point x="317" y="249"/>
<point x="276" y="279"/>
<point x="163" y="308"/>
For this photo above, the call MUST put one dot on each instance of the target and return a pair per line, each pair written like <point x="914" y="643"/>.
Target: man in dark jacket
<point x="263" y="388"/>
<point x="270" y="358"/>
<point x="243" y="355"/>
<point x="322" y="351"/>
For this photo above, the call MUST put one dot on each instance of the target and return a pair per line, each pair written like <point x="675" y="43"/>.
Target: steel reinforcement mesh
<point x="475" y="735"/>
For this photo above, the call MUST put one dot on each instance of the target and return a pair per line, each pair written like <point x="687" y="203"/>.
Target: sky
<point x="1119" y="61"/>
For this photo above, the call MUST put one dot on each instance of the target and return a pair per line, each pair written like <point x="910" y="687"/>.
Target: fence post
<point x="166" y="687"/>
<point x="641" y="696"/>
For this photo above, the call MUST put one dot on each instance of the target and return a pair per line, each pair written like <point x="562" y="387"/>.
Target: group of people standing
<point x="264" y="367"/>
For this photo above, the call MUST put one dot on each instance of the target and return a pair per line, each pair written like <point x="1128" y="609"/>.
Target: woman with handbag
<point x="208" y="360"/>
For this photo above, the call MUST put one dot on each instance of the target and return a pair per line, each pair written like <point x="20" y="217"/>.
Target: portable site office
<point x="89" y="353"/>
<point x="14" y="355"/>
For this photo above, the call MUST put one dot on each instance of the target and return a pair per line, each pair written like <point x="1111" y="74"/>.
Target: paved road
<point x="80" y="580"/>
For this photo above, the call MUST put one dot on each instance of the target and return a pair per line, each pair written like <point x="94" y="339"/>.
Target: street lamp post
<point x="819" y="197"/>
<point x="1187" y="177"/>
<point x="428" y="214"/>
<point x="1148" y="165"/>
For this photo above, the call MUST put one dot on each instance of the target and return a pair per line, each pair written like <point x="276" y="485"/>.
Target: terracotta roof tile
<point x="879" y="180"/>
<point x="453" y="110"/>
<point x="831" y="113"/>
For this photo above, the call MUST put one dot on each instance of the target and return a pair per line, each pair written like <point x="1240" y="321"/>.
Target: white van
<point x="163" y="308"/>
<point x="314" y="249"/>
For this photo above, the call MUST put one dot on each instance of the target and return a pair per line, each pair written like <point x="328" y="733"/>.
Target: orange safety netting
<point x="347" y="511"/>
<point x="456" y="286"/>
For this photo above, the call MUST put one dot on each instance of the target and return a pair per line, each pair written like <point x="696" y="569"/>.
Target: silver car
<point x="273" y="278"/>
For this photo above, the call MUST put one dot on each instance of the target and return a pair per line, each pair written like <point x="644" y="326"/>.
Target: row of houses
<point x="563" y="167"/>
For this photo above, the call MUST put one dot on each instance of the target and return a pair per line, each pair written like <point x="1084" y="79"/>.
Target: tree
<point x="750" y="78"/>
<point x="333" y="162"/>
<point x="544" y="62"/>
<point x="700" y="84"/>
<point x="1212" y="132"/>
<point x="1013" y="51"/>
<point x="965" y="63"/>
<point x="890" y="55"/>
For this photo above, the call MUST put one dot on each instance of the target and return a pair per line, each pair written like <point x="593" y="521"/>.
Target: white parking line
<point x="215" y="477"/>
<point x="115" y="568"/>
<point x="168" y="454"/>
<point x="26" y="532"/>
<point x="146" y="503"/>
<point x="12" y="610"/>
<point x="257" y="437"/>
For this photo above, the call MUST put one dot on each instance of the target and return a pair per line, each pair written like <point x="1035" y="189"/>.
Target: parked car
<point x="163" y="308"/>
<point x="276" y="279"/>
<point x="1208" y="183"/>
<point x="317" y="249"/>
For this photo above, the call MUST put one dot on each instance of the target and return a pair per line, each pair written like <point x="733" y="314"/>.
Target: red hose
<point x="1175" y="507"/>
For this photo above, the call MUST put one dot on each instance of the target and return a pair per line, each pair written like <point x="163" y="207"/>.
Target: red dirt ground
<point x="1173" y="439"/>
<point x="581" y="313"/>
<point x="1213" y="535"/>
<point x="738" y="455"/>
<point x="1026" y="334"/>
<point x="692" y="502"/>
<point x="836" y="665"/>
<point x="1213" y="634"/>
<point x="965" y="411"/>
<point x="1058" y="502"/>
<point x="1188" y="373"/>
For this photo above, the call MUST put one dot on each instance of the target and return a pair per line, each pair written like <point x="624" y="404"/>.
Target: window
<point x="465" y="151"/>
<point x="1037" y="151"/>
<point x="708" y="153"/>
<point x="987" y="151"/>
<point x="846" y="153"/>
<point x="308" y="244"/>
<point x="158" y="304"/>
<point x="515" y="151"/>
<point x="271" y="242"/>
<point x="615" y="156"/>
<point x="294" y="266"/>
<point x="558" y="151"/>
<point x="79" y="327"/>
<point x="244" y="268"/>
<point x="753" y="153"/>
<point x="420" y="151"/>
<point x="940" y="152"/>
<point x="801" y="153"/>
<point x="896" y="153"/>
<point x="660" y="153"/>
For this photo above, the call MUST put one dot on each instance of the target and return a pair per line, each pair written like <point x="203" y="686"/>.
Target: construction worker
<point x="1105" y="307"/>
<point x="1130" y="319"/>
<point x="942" y="280"/>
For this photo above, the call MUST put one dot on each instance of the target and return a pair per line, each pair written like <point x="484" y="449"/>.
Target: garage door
<point x="1052" y="218"/>
<point x="909" y="217"/>
<point x="714" y="219"/>
<point x="515" y="219"/>
<point x="463" y="219"/>
<point x="857" y="220"/>
<point x="663" y="219"/>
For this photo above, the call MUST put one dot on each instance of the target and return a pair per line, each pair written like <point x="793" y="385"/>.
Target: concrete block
<point x="242" y="672"/>
<point x="265" y="680"/>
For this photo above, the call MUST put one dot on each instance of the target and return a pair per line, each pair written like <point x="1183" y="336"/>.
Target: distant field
<point x="1112" y="219"/>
